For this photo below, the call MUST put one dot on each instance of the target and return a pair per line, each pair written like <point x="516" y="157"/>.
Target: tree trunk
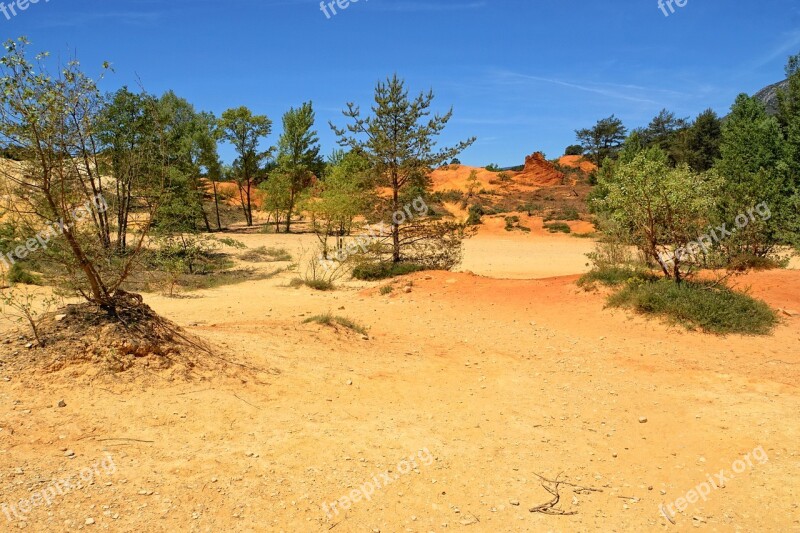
<point x="216" y="205"/>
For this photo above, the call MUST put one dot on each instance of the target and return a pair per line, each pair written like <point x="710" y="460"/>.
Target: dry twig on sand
<point x="552" y="486"/>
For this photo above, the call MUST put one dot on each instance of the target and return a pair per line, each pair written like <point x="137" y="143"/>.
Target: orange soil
<point x="577" y="161"/>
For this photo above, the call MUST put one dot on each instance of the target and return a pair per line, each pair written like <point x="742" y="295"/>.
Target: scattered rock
<point x="69" y="453"/>
<point x="59" y="318"/>
<point x="643" y="420"/>
<point x="89" y="521"/>
<point x="514" y="502"/>
<point x="62" y="403"/>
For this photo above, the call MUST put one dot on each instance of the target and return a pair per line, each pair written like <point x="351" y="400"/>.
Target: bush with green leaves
<point x="659" y="209"/>
<point x="476" y="213"/>
<point x="707" y="306"/>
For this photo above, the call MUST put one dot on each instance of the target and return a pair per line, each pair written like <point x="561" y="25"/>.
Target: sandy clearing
<point x="500" y="379"/>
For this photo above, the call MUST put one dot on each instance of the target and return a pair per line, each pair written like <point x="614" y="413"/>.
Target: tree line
<point x="664" y="186"/>
<point x="154" y="162"/>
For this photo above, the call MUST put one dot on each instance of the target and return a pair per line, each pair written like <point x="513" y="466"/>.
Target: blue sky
<point x="522" y="75"/>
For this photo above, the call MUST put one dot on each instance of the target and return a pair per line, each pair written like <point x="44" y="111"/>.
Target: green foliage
<point x="711" y="308"/>
<point x="602" y="141"/>
<point x="558" y="227"/>
<point x="669" y="133"/>
<point x="504" y="176"/>
<point x="385" y="270"/>
<point x="331" y="320"/>
<point x="344" y="194"/>
<point x="263" y="254"/>
<point x="244" y="131"/>
<point x="754" y="172"/>
<point x="658" y="208"/>
<point x="400" y="158"/>
<point x="574" y="149"/>
<point x="298" y="156"/>
<point x="492" y="167"/>
<point x="451" y="196"/>
<point x="513" y="223"/>
<point x="703" y="141"/>
<point x="476" y="212"/>
<point x="386" y="289"/>
<point x="18" y="274"/>
<point x="233" y="243"/>
<point x="322" y="285"/>
<point x="613" y="276"/>
<point x="565" y="213"/>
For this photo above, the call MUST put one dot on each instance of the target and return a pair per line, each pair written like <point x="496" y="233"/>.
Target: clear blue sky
<point x="522" y="75"/>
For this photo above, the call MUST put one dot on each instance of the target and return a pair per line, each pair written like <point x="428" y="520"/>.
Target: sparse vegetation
<point x="698" y="305"/>
<point x="263" y="254"/>
<point x="385" y="270"/>
<point x="331" y="320"/>
<point x="558" y="227"/>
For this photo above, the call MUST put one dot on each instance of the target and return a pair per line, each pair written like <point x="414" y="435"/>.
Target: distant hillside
<point x="769" y="95"/>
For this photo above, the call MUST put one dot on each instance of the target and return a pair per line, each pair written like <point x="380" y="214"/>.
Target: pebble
<point x="62" y="403"/>
<point x="89" y="521"/>
<point x="642" y="419"/>
<point x="514" y="502"/>
<point x="69" y="453"/>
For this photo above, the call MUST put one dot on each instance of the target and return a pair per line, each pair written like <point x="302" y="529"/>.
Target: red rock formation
<point x="539" y="171"/>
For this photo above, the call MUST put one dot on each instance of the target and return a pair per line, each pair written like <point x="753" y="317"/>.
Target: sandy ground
<point x="488" y="383"/>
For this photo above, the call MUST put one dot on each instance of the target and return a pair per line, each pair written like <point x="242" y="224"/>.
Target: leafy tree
<point x="789" y="119"/>
<point x="603" y="140"/>
<point x="55" y="120"/>
<point x="244" y="130"/>
<point x="399" y="141"/>
<point x="661" y="209"/>
<point x="128" y="132"/>
<point x="663" y="131"/>
<point x="344" y="194"/>
<point x="277" y="196"/>
<point x="754" y="170"/>
<point x="574" y="149"/>
<point x="298" y="154"/>
<point x="703" y="141"/>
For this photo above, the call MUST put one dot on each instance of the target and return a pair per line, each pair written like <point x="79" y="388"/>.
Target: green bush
<point x="331" y="320"/>
<point x="385" y="270"/>
<point x="452" y="196"/>
<point x="558" y="227"/>
<point x="700" y="305"/>
<point x="316" y="284"/>
<point x="476" y="212"/>
<point x="566" y="213"/>
<point x="612" y="276"/>
<point x="17" y="274"/>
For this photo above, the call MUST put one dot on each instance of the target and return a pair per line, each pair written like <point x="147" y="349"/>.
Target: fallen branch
<point x="552" y="486"/>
